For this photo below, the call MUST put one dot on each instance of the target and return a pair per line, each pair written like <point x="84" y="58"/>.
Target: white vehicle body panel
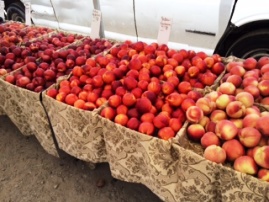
<point x="191" y="15"/>
<point x="73" y="15"/>
<point x="43" y="13"/>
<point x="118" y="19"/>
<point x="196" y="24"/>
<point x="249" y="11"/>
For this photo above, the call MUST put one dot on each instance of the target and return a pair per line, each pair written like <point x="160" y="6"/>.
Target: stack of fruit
<point x="251" y="76"/>
<point x="13" y="56"/>
<point x="149" y="88"/>
<point x="228" y="124"/>
<point x="145" y="87"/>
<point x="47" y="63"/>
<point x="17" y="33"/>
<point x="12" y="25"/>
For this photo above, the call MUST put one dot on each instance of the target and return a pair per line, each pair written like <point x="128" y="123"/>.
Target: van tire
<point x="16" y="12"/>
<point x="253" y="44"/>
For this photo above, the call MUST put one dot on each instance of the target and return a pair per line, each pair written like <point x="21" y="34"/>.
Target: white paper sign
<point x="96" y="21"/>
<point x="164" y="30"/>
<point x="2" y="10"/>
<point x="27" y="5"/>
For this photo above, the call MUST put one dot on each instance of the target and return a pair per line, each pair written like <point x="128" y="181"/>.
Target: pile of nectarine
<point x="13" y="56"/>
<point x="32" y="32"/>
<point x="150" y="88"/>
<point x="12" y="26"/>
<point x="156" y="86"/>
<point x="43" y="63"/>
<point x="17" y="33"/>
<point x="227" y="122"/>
<point x="55" y="40"/>
<point x="250" y="75"/>
<point x="145" y="87"/>
<point x="231" y="129"/>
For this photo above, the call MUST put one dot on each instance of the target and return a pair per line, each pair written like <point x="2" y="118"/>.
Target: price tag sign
<point x="96" y="21"/>
<point x="27" y="5"/>
<point x="164" y="30"/>
<point x="2" y="10"/>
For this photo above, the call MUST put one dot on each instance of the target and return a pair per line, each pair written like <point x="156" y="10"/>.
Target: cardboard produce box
<point x="25" y="110"/>
<point x="78" y="132"/>
<point x="204" y="180"/>
<point x="139" y="158"/>
<point x="175" y="170"/>
<point x="2" y="103"/>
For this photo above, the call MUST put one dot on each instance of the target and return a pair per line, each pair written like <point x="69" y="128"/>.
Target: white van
<point x="227" y="27"/>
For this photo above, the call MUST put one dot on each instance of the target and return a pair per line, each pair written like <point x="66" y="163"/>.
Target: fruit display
<point x="17" y="33"/>
<point x="173" y="168"/>
<point x="31" y="33"/>
<point x="47" y="63"/>
<point x="78" y="132"/>
<point x="54" y="40"/>
<point x="157" y="87"/>
<point x="229" y="125"/>
<point x="156" y="101"/>
<point x="178" y="121"/>
<point x="33" y="68"/>
<point x="14" y="24"/>
<point x="230" y="117"/>
<point x="14" y="56"/>
<point x="147" y="88"/>
<point x="250" y="75"/>
<point x="67" y="101"/>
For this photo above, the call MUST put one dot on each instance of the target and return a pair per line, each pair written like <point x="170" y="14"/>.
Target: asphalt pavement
<point x="28" y="173"/>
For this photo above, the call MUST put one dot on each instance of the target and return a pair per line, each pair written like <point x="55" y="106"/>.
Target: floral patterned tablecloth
<point x="25" y="110"/>
<point x="78" y="132"/>
<point x="174" y="170"/>
<point x="2" y="112"/>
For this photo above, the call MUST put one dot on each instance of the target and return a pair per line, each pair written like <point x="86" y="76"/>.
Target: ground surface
<point x="28" y="173"/>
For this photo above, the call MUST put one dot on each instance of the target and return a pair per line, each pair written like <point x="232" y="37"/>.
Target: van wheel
<point x="16" y="12"/>
<point x="253" y="44"/>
